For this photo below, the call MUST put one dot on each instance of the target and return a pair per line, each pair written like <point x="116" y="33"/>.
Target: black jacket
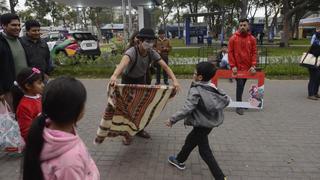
<point x="7" y="68"/>
<point x="38" y="54"/>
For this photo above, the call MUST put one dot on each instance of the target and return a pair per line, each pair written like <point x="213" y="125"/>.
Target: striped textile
<point x="131" y="108"/>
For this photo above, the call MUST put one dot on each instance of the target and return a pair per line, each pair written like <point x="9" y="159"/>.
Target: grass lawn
<point x="272" y="51"/>
<point x="288" y="51"/>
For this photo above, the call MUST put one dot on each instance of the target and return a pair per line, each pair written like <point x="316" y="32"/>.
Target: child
<point x="27" y="98"/>
<point x="54" y="150"/>
<point x="203" y="110"/>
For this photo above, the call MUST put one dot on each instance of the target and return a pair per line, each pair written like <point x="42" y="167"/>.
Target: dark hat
<point x="146" y="33"/>
<point x="161" y="31"/>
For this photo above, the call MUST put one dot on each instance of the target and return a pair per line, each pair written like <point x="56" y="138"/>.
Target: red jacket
<point x="242" y="51"/>
<point x="28" y="109"/>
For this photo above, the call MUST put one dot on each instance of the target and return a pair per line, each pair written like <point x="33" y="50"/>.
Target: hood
<point x="242" y="35"/>
<point x="212" y="97"/>
<point x="57" y="143"/>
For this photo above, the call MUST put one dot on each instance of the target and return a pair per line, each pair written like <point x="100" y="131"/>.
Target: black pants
<point x="199" y="137"/>
<point x="158" y="71"/>
<point x="314" y="81"/>
<point x="240" y="87"/>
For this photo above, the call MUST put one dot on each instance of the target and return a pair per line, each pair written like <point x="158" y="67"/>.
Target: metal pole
<point x="125" y="32"/>
<point x="222" y="28"/>
<point x="130" y="16"/>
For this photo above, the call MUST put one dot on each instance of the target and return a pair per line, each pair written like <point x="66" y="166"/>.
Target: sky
<point x="21" y="6"/>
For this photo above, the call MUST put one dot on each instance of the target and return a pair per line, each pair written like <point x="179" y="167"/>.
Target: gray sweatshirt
<point x="203" y="107"/>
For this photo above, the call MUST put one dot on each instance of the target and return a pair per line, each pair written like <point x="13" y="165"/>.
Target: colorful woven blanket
<point x="131" y="108"/>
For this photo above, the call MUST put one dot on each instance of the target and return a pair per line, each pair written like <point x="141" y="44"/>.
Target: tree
<point x="40" y="8"/>
<point x="289" y="9"/>
<point x="13" y="4"/>
<point x="166" y="8"/>
<point x="3" y="6"/>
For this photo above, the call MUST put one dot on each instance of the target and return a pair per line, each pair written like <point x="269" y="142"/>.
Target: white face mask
<point x="147" y="46"/>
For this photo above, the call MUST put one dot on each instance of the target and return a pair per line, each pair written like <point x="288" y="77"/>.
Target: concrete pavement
<point x="280" y="142"/>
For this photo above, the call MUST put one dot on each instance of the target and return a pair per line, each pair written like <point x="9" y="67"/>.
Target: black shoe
<point x="172" y="160"/>
<point x="166" y="83"/>
<point x="239" y="111"/>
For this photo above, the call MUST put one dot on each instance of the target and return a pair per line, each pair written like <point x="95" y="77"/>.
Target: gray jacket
<point x="203" y="107"/>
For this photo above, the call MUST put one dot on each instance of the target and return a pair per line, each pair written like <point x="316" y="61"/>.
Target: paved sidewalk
<point x="280" y="142"/>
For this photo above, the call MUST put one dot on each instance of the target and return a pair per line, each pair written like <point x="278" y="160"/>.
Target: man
<point x="163" y="47"/>
<point x="222" y="57"/>
<point x="242" y="56"/>
<point x="13" y="58"/>
<point x="37" y="50"/>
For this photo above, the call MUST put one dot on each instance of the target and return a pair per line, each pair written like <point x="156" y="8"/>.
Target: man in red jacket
<point x="242" y="56"/>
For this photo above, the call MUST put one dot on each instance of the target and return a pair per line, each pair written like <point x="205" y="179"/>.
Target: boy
<point x="203" y="110"/>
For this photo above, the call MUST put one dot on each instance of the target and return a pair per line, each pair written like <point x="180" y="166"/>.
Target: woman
<point x="314" y="73"/>
<point x="135" y="64"/>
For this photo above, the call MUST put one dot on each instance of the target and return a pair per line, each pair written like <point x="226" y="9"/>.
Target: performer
<point x="135" y="63"/>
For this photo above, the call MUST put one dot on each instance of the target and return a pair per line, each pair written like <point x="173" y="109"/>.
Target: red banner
<point x="256" y="91"/>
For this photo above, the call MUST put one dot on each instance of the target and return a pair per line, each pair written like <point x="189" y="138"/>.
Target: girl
<point x="54" y="150"/>
<point x="26" y="98"/>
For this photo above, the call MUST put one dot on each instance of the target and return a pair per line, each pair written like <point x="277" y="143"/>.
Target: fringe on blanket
<point x="130" y="108"/>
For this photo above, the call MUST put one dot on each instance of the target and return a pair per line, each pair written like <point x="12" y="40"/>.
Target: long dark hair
<point x="62" y="102"/>
<point x="26" y="76"/>
<point x="131" y="40"/>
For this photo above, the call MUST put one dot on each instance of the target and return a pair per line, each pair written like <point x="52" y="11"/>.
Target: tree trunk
<point x="244" y="8"/>
<point x="178" y="15"/>
<point x="266" y="27"/>
<point x="286" y="31"/>
<point x="13" y="4"/>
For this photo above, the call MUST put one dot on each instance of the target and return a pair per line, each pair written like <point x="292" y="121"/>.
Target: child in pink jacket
<point x="54" y="151"/>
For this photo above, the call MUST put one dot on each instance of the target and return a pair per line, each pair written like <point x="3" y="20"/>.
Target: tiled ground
<point x="281" y="142"/>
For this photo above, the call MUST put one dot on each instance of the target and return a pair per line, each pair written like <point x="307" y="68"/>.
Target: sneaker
<point x="166" y="83"/>
<point x="172" y="160"/>
<point x="317" y="96"/>
<point x="239" y="111"/>
<point x="312" y="97"/>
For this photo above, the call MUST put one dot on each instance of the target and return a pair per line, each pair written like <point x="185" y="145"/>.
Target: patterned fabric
<point x="10" y="138"/>
<point x="131" y="108"/>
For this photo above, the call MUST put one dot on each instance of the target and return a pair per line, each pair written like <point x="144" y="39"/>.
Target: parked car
<point x="83" y="43"/>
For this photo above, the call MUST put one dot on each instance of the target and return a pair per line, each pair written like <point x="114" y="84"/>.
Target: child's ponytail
<point x="31" y="164"/>
<point x="17" y="95"/>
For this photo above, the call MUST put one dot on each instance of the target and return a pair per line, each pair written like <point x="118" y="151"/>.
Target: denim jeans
<point x="240" y="87"/>
<point x="199" y="137"/>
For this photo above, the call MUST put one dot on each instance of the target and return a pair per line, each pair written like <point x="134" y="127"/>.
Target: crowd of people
<point x="48" y="111"/>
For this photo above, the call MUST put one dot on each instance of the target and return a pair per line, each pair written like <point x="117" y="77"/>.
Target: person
<point x="242" y="56"/>
<point x="314" y="73"/>
<point x="12" y="53"/>
<point x="37" y="50"/>
<point x="54" y="149"/>
<point x="27" y="98"/>
<point x="261" y="36"/>
<point x="163" y="47"/>
<point x="222" y="57"/>
<point x="203" y="110"/>
<point x="135" y="63"/>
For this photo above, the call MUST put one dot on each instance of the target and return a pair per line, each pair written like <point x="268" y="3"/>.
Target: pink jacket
<point x="65" y="157"/>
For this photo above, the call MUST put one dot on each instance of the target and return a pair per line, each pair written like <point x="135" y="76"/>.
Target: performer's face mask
<point x="147" y="44"/>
